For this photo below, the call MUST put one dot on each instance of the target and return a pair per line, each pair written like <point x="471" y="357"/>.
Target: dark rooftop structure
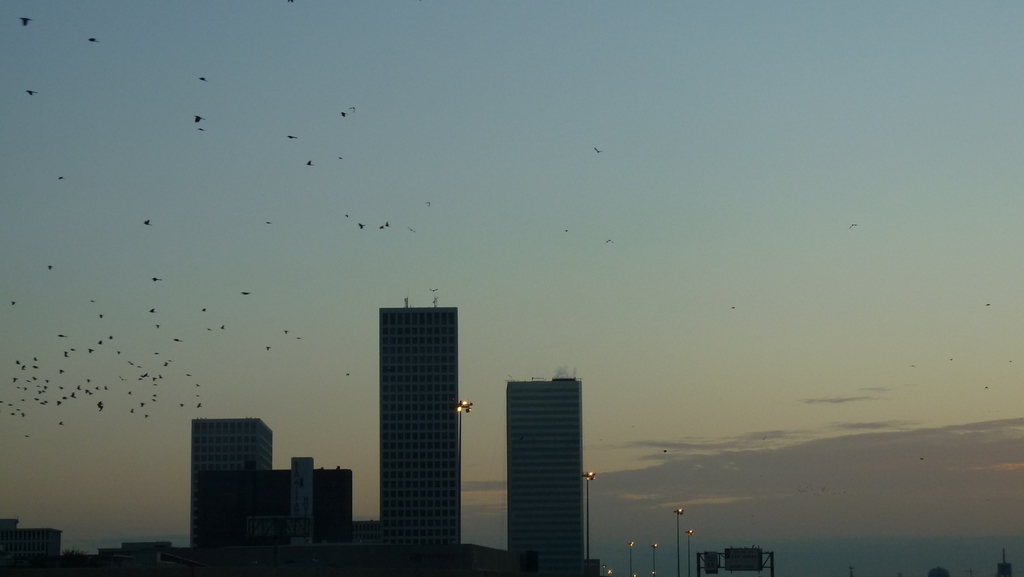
<point x="229" y="501"/>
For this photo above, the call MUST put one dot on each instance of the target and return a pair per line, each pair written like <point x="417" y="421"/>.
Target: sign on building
<point x="302" y="487"/>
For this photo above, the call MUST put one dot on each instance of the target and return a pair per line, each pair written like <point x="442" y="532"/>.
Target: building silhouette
<point x="247" y="508"/>
<point x="227" y="445"/>
<point x="420" y="476"/>
<point x="544" y="421"/>
<point x="29" y="542"/>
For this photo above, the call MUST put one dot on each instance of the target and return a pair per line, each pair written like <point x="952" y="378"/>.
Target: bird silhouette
<point x="93" y="40"/>
<point x="31" y="92"/>
<point x="156" y="279"/>
<point x="25" y="21"/>
<point x="309" y="163"/>
<point x="152" y="310"/>
<point x="361" y="225"/>
<point x="343" y="115"/>
<point x="99" y="404"/>
<point x="245" y="293"/>
<point x="198" y="118"/>
<point x="293" y="137"/>
<point x="203" y="78"/>
<point x="596" y="150"/>
<point x="146" y="222"/>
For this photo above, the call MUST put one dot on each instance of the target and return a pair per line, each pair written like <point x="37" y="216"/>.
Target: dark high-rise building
<point x="544" y="426"/>
<point x="229" y="501"/>
<point x="420" y="477"/>
<point x="228" y="445"/>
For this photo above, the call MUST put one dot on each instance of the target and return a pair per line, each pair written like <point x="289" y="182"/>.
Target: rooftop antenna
<point x="435" y="302"/>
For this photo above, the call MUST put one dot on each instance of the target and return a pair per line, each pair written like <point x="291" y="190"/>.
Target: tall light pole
<point x="631" y="574"/>
<point x="654" y="560"/>
<point x="679" y="513"/>
<point x="689" y="533"/>
<point x="461" y="407"/>
<point x="589" y="476"/>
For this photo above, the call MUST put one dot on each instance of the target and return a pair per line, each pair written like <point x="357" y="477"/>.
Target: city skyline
<point x="778" y="242"/>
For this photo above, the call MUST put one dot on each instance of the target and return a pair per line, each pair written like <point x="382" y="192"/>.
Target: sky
<point x="789" y="281"/>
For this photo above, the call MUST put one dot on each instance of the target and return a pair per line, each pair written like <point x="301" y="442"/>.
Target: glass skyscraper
<point x="420" y="476"/>
<point x="544" y="426"/>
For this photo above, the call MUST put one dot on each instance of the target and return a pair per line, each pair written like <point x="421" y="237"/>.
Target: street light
<point x="654" y="560"/>
<point x="679" y="513"/>
<point x="689" y="533"/>
<point x="461" y="407"/>
<point x="631" y="574"/>
<point x="589" y="476"/>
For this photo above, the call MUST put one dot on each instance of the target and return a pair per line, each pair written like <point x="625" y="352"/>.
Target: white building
<point x="544" y="421"/>
<point x="420" y="477"/>
<point x="228" y="445"/>
<point x="26" y="543"/>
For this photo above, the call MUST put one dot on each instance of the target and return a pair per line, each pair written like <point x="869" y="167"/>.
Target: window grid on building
<point x="420" y="480"/>
<point x="228" y="445"/>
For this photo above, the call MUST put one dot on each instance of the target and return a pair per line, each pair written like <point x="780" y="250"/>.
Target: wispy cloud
<point x="837" y="400"/>
<point x="846" y="479"/>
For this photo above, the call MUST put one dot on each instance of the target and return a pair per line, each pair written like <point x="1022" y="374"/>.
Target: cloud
<point x="837" y="400"/>
<point x="846" y="480"/>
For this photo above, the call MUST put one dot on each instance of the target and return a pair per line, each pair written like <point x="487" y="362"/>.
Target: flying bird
<point x="198" y="118"/>
<point x="292" y="137"/>
<point x="361" y="225"/>
<point x="99" y="404"/>
<point x="93" y="40"/>
<point x="203" y="78"/>
<point x="152" y="310"/>
<point x="31" y="92"/>
<point x="25" y="21"/>
<point x="851" y="226"/>
<point x="596" y="150"/>
<point x="343" y="115"/>
<point x="156" y="279"/>
<point x="146" y="222"/>
<point x="309" y="163"/>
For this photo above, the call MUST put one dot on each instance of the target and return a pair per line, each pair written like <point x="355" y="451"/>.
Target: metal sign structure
<point x="736" y="559"/>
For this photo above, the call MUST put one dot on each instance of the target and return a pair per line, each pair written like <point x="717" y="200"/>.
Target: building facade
<point x="227" y="445"/>
<point x="27" y="543"/>
<point x="544" y="427"/>
<point x="420" y="476"/>
<point x="367" y="531"/>
<point x="249" y="508"/>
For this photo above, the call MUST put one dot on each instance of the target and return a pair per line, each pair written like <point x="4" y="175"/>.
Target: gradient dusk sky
<point x="790" y="281"/>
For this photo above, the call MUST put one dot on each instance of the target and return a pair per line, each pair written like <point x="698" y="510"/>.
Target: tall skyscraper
<point x="420" y="476"/>
<point x="544" y="426"/>
<point x="227" y="445"/>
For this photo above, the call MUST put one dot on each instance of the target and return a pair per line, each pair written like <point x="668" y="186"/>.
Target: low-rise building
<point x="28" y="543"/>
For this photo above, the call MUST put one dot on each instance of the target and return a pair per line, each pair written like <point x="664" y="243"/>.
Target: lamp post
<point x="461" y="407"/>
<point x="679" y="513"/>
<point x="589" y="476"/>
<point x="689" y="533"/>
<point x="654" y="560"/>
<point x="631" y="574"/>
